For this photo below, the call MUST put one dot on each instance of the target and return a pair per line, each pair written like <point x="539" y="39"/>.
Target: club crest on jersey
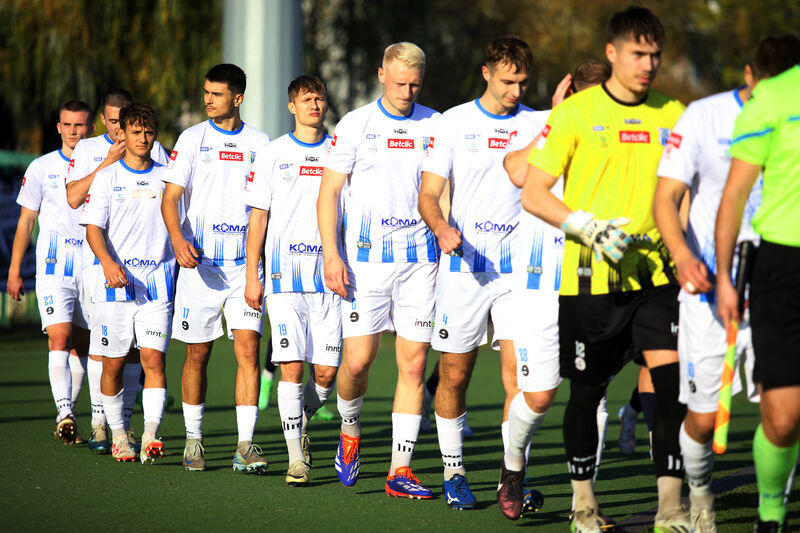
<point x="427" y="142"/>
<point x="252" y="157"/>
<point x="71" y="166"/>
<point x="664" y="135"/>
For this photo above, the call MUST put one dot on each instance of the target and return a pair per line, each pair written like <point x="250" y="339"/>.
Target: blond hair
<point x="409" y="53"/>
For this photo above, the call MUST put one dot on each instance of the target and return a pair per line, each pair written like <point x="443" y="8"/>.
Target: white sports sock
<point x="350" y="411"/>
<point x="451" y="444"/>
<point x="523" y="423"/>
<point x="112" y="405"/>
<point x="290" y="406"/>
<point x="698" y="461"/>
<point x="405" y="430"/>
<point x="130" y="388"/>
<point x="77" y="370"/>
<point x="314" y="397"/>
<point x="193" y="420"/>
<point x="246" y="418"/>
<point x="504" y="431"/>
<point x="602" y="427"/>
<point x="60" y="380"/>
<point x="94" y="369"/>
<point x="153" y="401"/>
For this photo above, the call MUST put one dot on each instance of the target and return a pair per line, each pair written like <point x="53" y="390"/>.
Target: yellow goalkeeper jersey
<point x="608" y="152"/>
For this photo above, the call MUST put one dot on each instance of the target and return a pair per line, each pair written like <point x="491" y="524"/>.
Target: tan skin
<point x="222" y="107"/>
<point x="401" y="87"/>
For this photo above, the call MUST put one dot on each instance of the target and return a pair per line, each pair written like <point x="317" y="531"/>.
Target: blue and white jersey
<point x="383" y="155"/>
<point x="485" y="206"/>
<point x="212" y="165"/>
<point x="697" y="154"/>
<point x="126" y="204"/>
<point x="285" y="181"/>
<point x="58" y="247"/>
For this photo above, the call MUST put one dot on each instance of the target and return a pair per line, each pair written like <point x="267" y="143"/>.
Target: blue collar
<point x="65" y="158"/>
<point x="129" y="169"/>
<point x="737" y="97"/>
<point x="492" y="115"/>
<point x="226" y="132"/>
<point x="395" y="117"/>
<point x="107" y="138"/>
<point x="307" y="145"/>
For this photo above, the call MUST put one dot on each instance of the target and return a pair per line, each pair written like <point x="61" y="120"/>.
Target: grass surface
<point x="49" y="486"/>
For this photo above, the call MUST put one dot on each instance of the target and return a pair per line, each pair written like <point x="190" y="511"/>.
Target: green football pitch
<point x="49" y="486"/>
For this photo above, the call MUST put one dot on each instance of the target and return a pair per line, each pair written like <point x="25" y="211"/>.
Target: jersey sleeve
<point x="557" y="142"/>
<point x="30" y="193"/>
<point x="258" y="190"/>
<point x="342" y="151"/>
<point x="159" y="153"/>
<point x="680" y="157"/>
<point x="79" y="164"/>
<point x="754" y="129"/>
<point x="439" y="156"/>
<point x="182" y="160"/>
<point x="96" y="207"/>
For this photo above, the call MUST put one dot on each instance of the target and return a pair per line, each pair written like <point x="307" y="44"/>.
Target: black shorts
<point x="775" y="315"/>
<point x="598" y="334"/>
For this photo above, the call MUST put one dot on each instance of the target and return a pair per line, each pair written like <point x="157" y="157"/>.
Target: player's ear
<point x="292" y="108"/>
<point x="485" y="72"/>
<point x="611" y="52"/>
<point x="238" y="100"/>
<point x="58" y="127"/>
<point x="381" y="75"/>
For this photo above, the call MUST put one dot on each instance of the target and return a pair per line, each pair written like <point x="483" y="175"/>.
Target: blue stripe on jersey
<point x="111" y="294"/>
<point x="535" y="263"/>
<point x="432" y="246"/>
<point x="344" y="221"/>
<point x="411" y="248"/>
<point x="198" y="233"/>
<point x="387" y="255"/>
<point x="130" y="290"/>
<point x="50" y="262"/>
<point x="479" y="259"/>
<point x="219" y="255"/>
<point x="319" y="286"/>
<point x="745" y="136"/>
<point x="364" y="244"/>
<point x="96" y="260"/>
<point x="240" y="259"/>
<point x="505" y="257"/>
<point x="297" y="278"/>
<point x="69" y="264"/>
<point x="276" y="267"/>
<point x="455" y="258"/>
<point x="793" y="118"/>
<point x="169" y="281"/>
<point x="152" y="288"/>
<point x="557" y="281"/>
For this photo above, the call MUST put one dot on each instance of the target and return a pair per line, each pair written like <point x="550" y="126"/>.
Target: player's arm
<point x="741" y="177"/>
<point x="516" y="163"/>
<point x="22" y="238"/>
<point x="330" y="188"/>
<point x="430" y="193"/>
<point x="185" y="253"/>
<point x="78" y="189"/>
<point x="113" y="272"/>
<point x="256" y="232"/>
<point x="692" y="273"/>
<point x="538" y="200"/>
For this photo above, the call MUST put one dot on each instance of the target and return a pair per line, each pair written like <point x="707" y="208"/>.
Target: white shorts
<point x="306" y="326"/>
<point x="119" y="326"/>
<point x="88" y="279"/>
<point x="536" y="339"/>
<point x="390" y="296"/>
<point x="701" y="350"/>
<point x="61" y="301"/>
<point x="201" y="295"/>
<point x="464" y="301"/>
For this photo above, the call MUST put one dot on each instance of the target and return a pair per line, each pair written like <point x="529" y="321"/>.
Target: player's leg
<point x="131" y="384"/>
<point x="98" y="441"/>
<point x="290" y="406"/>
<point x="427" y="399"/>
<point x="647" y="399"/>
<point x="58" y="340"/>
<point x="245" y="347"/>
<point x="78" y="360"/>
<point x="508" y="377"/>
<point x="628" y="414"/>
<point x="267" y="378"/>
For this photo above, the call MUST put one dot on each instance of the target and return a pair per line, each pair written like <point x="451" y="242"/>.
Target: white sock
<point x="77" y="369"/>
<point x="60" y="380"/>
<point x="290" y="407"/>
<point x="112" y="405"/>
<point x="451" y="444"/>
<point x="193" y="420"/>
<point x="523" y="423"/>
<point x="504" y="429"/>
<point x="130" y="388"/>
<point x="698" y="461"/>
<point x="405" y="430"/>
<point x="314" y="397"/>
<point x="246" y="418"/>
<point x="153" y="401"/>
<point x="602" y="427"/>
<point x="94" y="369"/>
<point x="350" y="411"/>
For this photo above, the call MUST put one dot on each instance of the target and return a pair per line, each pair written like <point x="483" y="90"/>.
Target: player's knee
<point x="540" y="401"/>
<point x="325" y="376"/>
<point x="585" y="395"/>
<point x="59" y="342"/>
<point x="781" y="428"/>
<point x="292" y="372"/>
<point x="699" y="426"/>
<point x="453" y="377"/>
<point x="356" y="367"/>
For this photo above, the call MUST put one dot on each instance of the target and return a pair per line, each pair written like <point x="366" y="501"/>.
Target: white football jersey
<point x="697" y="153"/>
<point x="485" y="206"/>
<point x="86" y="157"/>
<point x="539" y="246"/>
<point x="58" y="247"/>
<point x="285" y="181"/>
<point x="126" y="203"/>
<point x="212" y="165"/>
<point x="383" y="155"/>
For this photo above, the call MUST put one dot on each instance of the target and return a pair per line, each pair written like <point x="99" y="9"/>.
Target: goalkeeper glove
<point x="603" y="236"/>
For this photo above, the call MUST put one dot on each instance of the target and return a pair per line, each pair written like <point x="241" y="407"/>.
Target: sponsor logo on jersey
<point x="401" y="143"/>
<point x="98" y="158"/>
<point x="252" y="313"/>
<point x="501" y="130"/>
<point x="174" y="155"/>
<point x="633" y="121"/>
<point x="24" y="179"/>
<point x="229" y="145"/>
<point x="118" y="189"/>
<point x="250" y="178"/>
<point x="493" y="227"/>
<point x="599" y="127"/>
<point x="427" y="143"/>
<point x="310" y="171"/>
<point x="155" y="333"/>
<point x="401" y="131"/>
<point x="305" y="249"/>
<point x="283" y="166"/>
<point x="228" y="228"/>
<point x="674" y="141"/>
<point x="69" y="241"/>
<point x="393" y="222"/>
<point x="494" y="142"/>
<point x="71" y="166"/>
<point x="634" y="137"/>
<point x="86" y="202"/>
<point x="312" y="158"/>
<point x="202" y="149"/>
<point x="423" y="323"/>
<point x="52" y="176"/>
<point x="469" y="136"/>
<point x="136" y="262"/>
<point x="333" y="142"/>
<point x="332" y="348"/>
<point x="142" y="183"/>
<point x="543" y="137"/>
<point x="371" y="136"/>
<point x="640" y="237"/>
<point x="231" y="156"/>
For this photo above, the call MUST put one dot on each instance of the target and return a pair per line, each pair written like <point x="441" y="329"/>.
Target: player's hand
<point x="254" y="293"/>
<point x="336" y="277"/>
<point x="116" y="152"/>
<point x="185" y="254"/>
<point x="15" y="287"/>
<point x="692" y="274"/>
<point x="562" y="90"/>
<point x="115" y="275"/>
<point x="602" y="236"/>
<point x="727" y="302"/>
<point x="449" y="239"/>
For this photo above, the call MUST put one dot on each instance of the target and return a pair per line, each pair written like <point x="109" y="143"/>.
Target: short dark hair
<point x="138" y="114"/>
<point x="75" y="106"/>
<point x="230" y="74"/>
<point x="306" y="83"/>
<point x="115" y="98"/>
<point x="635" y="23"/>
<point x="591" y="72"/>
<point x="512" y="51"/>
<point x="775" y="54"/>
